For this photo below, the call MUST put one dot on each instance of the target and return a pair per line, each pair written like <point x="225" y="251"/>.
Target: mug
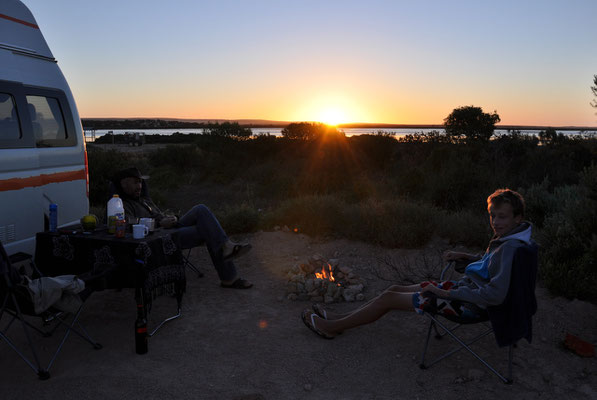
<point x="140" y="231"/>
<point x="148" y="222"/>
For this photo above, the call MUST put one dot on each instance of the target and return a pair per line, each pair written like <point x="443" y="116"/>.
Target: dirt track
<point x="251" y="344"/>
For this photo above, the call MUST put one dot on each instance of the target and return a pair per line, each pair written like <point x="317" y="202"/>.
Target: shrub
<point x="239" y="219"/>
<point x="569" y="241"/>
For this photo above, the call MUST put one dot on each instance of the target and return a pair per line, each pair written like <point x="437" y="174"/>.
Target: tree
<point x="228" y="129"/>
<point x="310" y="131"/>
<point x="594" y="90"/>
<point x="471" y="122"/>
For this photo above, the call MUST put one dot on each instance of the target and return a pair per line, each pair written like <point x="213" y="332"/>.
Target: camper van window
<point x="9" y="122"/>
<point x="47" y="121"/>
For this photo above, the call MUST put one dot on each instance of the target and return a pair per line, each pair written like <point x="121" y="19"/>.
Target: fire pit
<point x="321" y="280"/>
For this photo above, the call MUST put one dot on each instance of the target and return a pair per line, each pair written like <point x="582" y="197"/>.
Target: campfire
<point x="323" y="281"/>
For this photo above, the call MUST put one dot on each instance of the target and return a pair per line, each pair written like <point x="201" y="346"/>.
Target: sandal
<point x="308" y="318"/>
<point x="319" y="310"/>
<point x="239" y="283"/>
<point x="237" y="251"/>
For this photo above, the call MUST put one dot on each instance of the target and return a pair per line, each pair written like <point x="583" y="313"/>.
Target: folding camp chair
<point x="16" y="303"/>
<point x="509" y="322"/>
<point x="186" y="258"/>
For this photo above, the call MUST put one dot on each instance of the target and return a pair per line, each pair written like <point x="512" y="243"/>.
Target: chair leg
<point x="466" y="347"/>
<point x="190" y="265"/>
<point x="44" y="373"/>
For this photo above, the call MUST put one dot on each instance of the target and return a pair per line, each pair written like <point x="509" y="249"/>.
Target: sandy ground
<point x="251" y="344"/>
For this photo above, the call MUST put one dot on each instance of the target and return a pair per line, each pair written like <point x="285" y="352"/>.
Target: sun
<point x="332" y="116"/>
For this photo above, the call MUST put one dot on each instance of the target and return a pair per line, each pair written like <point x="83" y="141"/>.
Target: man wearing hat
<point x="198" y="226"/>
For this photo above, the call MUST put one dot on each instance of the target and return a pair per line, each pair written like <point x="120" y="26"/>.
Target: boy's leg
<point x="370" y="312"/>
<point x="394" y="288"/>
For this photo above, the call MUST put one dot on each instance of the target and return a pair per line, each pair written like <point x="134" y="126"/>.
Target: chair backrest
<point x="512" y="320"/>
<point x="10" y="275"/>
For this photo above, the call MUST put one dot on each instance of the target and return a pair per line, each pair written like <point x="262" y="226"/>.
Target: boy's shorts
<point x="444" y="306"/>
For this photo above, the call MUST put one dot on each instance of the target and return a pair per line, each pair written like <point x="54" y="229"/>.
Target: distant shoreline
<point x="169" y="123"/>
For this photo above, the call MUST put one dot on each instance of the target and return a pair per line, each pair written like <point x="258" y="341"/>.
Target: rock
<point x="314" y="293"/>
<point x="317" y="299"/>
<point x="339" y="275"/>
<point x="328" y="299"/>
<point x="308" y="387"/>
<point x="291" y="287"/>
<point x="286" y="228"/>
<point x="280" y="298"/>
<point x="309" y="284"/>
<point x="459" y="380"/>
<point x="303" y="297"/>
<point x="276" y="228"/>
<point x="349" y="295"/>
<point x="345" y="270"/>
<point x="298" y="278"/>
<point x="334" y="263"/>
<point x="300" y="287"/>
<point x="331" y="290"/>
<point x="292" y="296"/>
<point x="307" y="268"/>
<point x="296" y="269"/>
<point x="317" y="257"/>
<point x="360" y="297"/>
<point x="475" y="374"/>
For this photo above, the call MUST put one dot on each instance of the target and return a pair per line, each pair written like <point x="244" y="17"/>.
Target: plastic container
<point x="53" y="217"/>
<point x="116" y="211"/>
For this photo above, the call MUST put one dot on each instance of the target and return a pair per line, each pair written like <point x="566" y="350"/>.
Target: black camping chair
<point x="186" y="258"/>
<point x="509" y="321"/>
<point x="17" y="305"/>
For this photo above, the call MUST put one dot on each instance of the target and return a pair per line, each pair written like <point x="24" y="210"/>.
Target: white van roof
<point x="19" y="31"/>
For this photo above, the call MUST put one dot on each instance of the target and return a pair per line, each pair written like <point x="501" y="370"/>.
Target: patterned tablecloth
<point x="153" y="264"/>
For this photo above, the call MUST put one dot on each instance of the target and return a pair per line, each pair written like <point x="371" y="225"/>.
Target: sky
<point x="337" y="61"/>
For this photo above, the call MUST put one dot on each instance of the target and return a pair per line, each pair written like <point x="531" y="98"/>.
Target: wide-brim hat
<point x="130" y="172"/>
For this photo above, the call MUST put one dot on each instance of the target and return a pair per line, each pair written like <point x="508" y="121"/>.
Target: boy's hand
<point x="456" y="255"/>
<point x="436" y="291"/>
<point x="168" y="221"/>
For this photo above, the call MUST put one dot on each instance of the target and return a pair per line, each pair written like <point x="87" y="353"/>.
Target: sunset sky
<point x="404" y="62"/>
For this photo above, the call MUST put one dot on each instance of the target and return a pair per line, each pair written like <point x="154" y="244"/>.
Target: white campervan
<point x="42" y="147"/>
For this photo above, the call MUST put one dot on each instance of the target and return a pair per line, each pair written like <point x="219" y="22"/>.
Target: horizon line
<point x="257" y="122"/>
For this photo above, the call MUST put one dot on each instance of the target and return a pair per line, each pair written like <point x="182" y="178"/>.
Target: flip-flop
<point x="309" y="321"/>
<point x="239" y="283"/>
<point x="319" y="310"/>
<point x="238" y="250"/>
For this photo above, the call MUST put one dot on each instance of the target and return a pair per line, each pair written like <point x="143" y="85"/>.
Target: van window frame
<point x="27" y="140"/>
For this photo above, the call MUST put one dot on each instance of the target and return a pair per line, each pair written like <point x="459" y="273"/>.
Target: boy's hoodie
<point x="486" y="281"/>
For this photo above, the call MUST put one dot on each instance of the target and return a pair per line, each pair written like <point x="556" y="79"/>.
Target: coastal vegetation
<point x="395" y="192"/>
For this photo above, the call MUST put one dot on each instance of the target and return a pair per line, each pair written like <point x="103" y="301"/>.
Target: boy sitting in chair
<point x="486" y="281"/>
<point x="196" y="227"/>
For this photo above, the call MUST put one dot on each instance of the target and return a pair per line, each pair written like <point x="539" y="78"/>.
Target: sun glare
<point x="332" y="116"/>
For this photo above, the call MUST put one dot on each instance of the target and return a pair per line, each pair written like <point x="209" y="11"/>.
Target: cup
<point x="140" y="231"/>
<point x="148" y="222"/>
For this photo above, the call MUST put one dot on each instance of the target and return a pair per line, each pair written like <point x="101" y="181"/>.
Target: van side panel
<point x="45" y="161"/>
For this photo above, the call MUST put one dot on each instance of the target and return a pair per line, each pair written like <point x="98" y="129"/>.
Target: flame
<point x="325" y="275"/>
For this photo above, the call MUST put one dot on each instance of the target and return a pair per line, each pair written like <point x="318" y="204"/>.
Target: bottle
<point x="140" y="331"/>
<point x="115" y="211"/>
<point x="53" y="217"/>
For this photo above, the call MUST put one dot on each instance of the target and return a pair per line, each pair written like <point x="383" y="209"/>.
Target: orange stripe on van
<point x="40" y="180"/>
<point x="20" y="21"/>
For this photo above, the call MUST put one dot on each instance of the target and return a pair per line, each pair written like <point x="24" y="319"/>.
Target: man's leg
<point x="199" y="226"/>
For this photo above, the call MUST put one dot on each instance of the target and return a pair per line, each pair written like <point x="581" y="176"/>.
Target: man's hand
<point x="168" y="221"/>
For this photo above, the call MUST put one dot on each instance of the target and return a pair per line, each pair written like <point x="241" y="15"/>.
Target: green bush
<point x="569" y="240"/>
<point x="239" y="219"/>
